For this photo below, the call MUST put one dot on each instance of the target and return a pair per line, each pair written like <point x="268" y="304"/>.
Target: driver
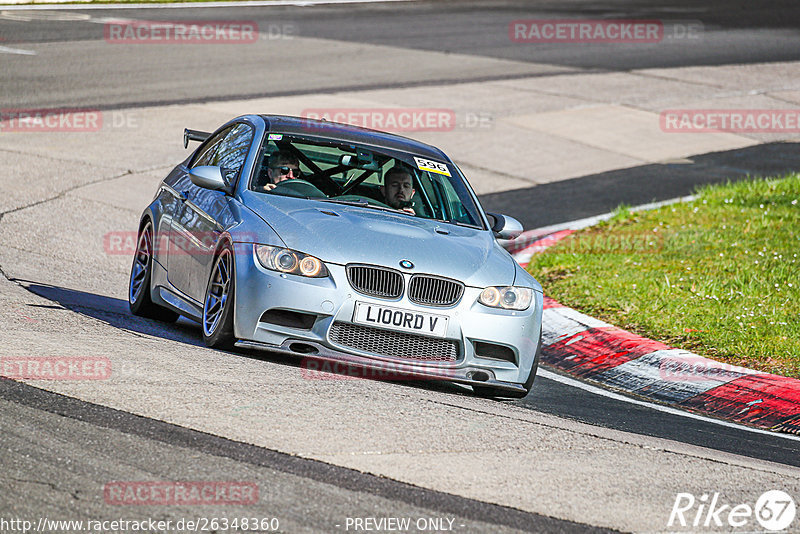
<point x="283" y="165"/>
<point x="398" y="188"/>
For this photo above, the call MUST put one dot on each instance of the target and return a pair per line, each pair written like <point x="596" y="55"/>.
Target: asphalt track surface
<point x="736" y="32"/>
<point x="81" y="69"/>
<point x="733" y="32"/>
<point x="548" y="396"/>
<point x="103" y="433"/>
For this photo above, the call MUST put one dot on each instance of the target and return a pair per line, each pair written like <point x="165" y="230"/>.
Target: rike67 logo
<point x="774" y="511"/>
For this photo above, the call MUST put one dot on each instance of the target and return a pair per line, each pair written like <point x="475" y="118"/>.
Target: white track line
<point x="580" y="224"/>
<point x="591" y="221"/>
<point x="183" y="5"/>
<point x="550" y="375"/>
<point x="583" y="223"/>
<point x="7" y="50"/>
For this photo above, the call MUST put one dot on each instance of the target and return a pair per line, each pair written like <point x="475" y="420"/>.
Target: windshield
<point x="328" y="170"/>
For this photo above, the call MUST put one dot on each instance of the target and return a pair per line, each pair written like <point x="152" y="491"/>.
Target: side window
<point x="433" y="194"/>
<point x="206" y="154"/>
<point x="232" y="151"/>
<point x="454" y="206"/>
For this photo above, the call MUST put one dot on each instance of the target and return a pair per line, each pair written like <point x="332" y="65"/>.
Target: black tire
<point x="139" y="284"/>
<point x="491" y="392"/>
<point x="219" y="301"/>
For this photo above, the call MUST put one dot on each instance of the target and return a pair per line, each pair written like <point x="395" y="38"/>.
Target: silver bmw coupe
<point x="343" y="245"/>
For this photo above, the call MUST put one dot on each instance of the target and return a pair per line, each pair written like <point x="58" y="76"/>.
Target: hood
<point x="341" y="234"/>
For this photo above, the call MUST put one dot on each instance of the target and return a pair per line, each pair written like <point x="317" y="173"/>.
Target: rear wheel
<point x="141" y="272"/>
<point x="491" y="392"/>
<point x="218" y="303"/>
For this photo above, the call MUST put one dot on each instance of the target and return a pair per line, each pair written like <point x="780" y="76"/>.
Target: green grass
<point x="718" y="276"/>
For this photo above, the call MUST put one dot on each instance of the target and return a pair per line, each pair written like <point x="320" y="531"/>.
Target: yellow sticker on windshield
<point x="432" y="166"/>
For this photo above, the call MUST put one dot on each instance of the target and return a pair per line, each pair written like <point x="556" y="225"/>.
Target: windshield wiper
<point x="458" y="223"/>
<point x="348" y="202"/>
<point x="358" y="203"/>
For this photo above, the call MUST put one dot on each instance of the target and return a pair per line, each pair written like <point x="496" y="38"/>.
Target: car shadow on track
<point x="115" y="312"/>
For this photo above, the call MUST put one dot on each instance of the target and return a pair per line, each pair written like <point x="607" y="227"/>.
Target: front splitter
<point x="382" y="369"/>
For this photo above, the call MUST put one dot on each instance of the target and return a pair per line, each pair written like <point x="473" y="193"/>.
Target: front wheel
<point x="139" y="287"/>
<point x="218" y="303"/>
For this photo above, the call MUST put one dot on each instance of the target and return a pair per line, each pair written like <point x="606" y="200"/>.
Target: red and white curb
<point x="596" y="351"/>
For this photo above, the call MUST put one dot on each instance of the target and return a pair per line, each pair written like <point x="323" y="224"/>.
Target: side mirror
<point x="505" y="227"/>
<point x="209" y="177"/>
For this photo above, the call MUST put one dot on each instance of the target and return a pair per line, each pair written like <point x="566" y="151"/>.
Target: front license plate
<point x="399" y="319"/>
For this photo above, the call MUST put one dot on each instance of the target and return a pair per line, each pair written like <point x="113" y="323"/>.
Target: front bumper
<point x="332" y="300"/>
<point x="382" y="371"/>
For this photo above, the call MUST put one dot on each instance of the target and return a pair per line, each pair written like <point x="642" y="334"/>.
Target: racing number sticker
<point x="432" y="166"/>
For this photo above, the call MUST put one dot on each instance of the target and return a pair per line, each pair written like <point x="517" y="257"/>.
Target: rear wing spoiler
<point x="194" y="135"/>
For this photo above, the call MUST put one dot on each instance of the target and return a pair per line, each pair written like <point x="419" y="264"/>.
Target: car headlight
<point x="506" y="297"/>
<point x="289" y="261"/>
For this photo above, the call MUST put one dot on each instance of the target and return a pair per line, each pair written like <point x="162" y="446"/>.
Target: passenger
<point x="398" y="189"/>
<point x="283" y="165"/>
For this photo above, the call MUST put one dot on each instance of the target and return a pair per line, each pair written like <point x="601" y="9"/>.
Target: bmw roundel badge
<point x="405" y="264"/>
